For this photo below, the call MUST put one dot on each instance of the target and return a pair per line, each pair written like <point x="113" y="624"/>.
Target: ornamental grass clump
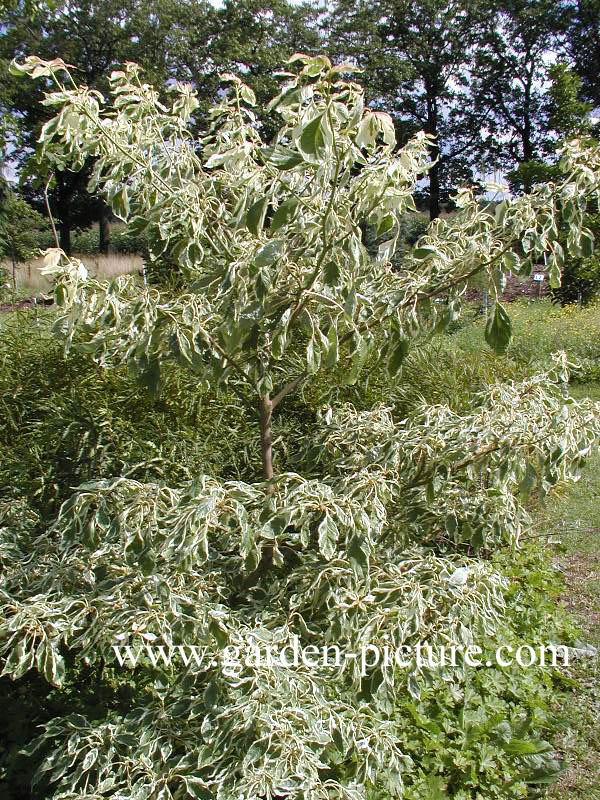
<point x="381" y="536"/>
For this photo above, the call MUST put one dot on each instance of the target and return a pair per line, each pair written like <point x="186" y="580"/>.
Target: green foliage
<point x="588" y="371"/>
<point x="64" y="423"/>
<point x="584" y="47"/>
<point x="126" y="243"/>
<point x="580" y="281"/>
<point x="444" y="373"/>
<point x="121" y="241"/>
<point x="481" y="737"/>
<point x="87" y="242"/>
<point x="411" y="227"/>
<point x="529" y="173"/>
<point x="475" y="732"/>
<point x="20" y="227"/>
<point x="568" y="115"/>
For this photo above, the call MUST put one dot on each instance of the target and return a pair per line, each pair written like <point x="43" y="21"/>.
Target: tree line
<point x="496" y="82"/>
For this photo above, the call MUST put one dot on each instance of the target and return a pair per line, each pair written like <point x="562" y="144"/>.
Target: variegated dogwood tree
<point x="376" y="542"/>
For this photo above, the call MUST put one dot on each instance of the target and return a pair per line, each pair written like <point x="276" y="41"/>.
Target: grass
<point x="30" y="279"/>
<point x="574" y="515"/>
<point x="540" y="328"/>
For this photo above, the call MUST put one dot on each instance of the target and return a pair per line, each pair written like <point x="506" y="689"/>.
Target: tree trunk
<point x="63" y="200"/>
<point x="104" y="229"/>
<point x="528" y="150"/>
<point x="266" y="442"/>
<point x="434" y="172"/>
<point x="14" y="269"/>
<point x="266" y="448"/>
<point x="434" y="187"/>
<point x="64" y="233"/>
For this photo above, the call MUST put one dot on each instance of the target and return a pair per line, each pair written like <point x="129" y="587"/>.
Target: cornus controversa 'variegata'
<point x="271" y="283"/>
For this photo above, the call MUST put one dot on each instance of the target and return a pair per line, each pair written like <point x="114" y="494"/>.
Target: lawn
<point x="540" y="328"/>
<point x="31" y="281"/>
<point x="569" y="524"/>
<point x="574" y="516"/>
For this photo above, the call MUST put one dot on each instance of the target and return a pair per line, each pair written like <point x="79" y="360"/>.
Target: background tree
<point x="564" y="116"/>
<point x="581" y="274"/>
<point x="97" y="36"/>
<point x="584" y="47"/>
<point x="417" y="59"/>
<point x="251" y="37"/>
<point x="569" y="117"/>
<point x="511" y="79"/>
<point x="192" y="40"/>
<point x="20" y="225"/>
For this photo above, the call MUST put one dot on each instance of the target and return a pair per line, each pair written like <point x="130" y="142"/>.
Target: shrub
<point x="20" y="225"/>
<point x="50" y="410"/>
<point x="66" y="422"/>
<point x="87" y="242"/>
<point x="580" y="282"/>
<point x="121" y="242"/>
<point x="384" y="533"/>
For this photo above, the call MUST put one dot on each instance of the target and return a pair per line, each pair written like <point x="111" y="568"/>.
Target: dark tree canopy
<point x="475" y="74"/>
<point x="417" y="59"/>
